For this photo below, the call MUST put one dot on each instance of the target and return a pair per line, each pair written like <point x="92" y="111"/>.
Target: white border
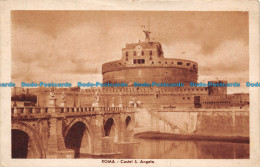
<point x="221" y="5"/>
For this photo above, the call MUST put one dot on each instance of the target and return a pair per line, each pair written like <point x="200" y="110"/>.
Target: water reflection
<point x="168" y="149"/>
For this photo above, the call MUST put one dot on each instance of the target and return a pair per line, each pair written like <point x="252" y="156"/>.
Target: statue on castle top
<point x="147" y="35"/>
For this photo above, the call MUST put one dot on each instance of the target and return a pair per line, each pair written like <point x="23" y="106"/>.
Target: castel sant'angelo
<point x="67" y="122"/>
<point x="144" y="63"/>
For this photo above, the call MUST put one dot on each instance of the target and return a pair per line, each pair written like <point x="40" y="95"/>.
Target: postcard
<point x="129" y="83"/>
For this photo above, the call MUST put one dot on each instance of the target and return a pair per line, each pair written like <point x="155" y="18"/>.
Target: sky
<point x="71" y="46"/>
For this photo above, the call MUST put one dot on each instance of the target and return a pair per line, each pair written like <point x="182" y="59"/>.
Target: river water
<point x="171" y="149"/>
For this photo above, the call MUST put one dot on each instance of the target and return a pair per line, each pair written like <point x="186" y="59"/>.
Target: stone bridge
<point x="67" y="132"/>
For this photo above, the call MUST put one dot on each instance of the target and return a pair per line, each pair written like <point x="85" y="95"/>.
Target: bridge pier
<point x="126" y="129"/>
<point x="108" y="145"/>
<point x="97" y="124"/>
<point x="31" y="151"/>
<point x="56" y="146"/>
<point x="85" y="144"/>
<point x="121" y="128"/>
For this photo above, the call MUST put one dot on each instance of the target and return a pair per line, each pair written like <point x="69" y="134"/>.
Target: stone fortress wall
<point x="224" y="122"/>
<point x="183" y="97"/>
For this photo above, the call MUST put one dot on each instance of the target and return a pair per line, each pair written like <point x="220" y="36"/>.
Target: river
<point x="182" y="149"/>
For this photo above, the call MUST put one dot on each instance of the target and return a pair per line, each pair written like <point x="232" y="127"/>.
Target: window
<point x="151" y="53"/>
<point x="142" y="53"/>
<point x="126" y="53"/>
<point x="194" y="66"/>
<point x="179" y="63"/>
<point x="151" y="58"/>
<point x="126" y="58"/>
<point x="188" y="64"/>
<point x="139" y="61"/>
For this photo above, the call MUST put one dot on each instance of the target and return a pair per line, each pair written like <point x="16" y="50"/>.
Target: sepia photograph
<point x="139" y="86"/>
<point x="151" y="72"/>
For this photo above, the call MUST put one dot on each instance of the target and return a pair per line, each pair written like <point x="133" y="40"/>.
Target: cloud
<point x="34" y="52"/>
<point x="229" y="61"/>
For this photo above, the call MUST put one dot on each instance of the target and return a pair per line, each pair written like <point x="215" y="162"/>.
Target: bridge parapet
<point x="46" y="112"/>
<point x="29" y="110"/>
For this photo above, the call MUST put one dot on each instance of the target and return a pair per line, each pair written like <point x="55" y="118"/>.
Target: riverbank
<point x="194" y="137"/>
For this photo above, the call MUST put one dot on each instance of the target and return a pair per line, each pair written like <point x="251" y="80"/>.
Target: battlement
<point x="147" y="63"/>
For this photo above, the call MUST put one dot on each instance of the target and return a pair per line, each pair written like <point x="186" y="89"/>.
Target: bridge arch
<point x="128" y="128"/>
<point x="110" y="128"/>
<point x="129" y="122"/>
<point x="77" y="136"/>
<point x="26" y="142"/>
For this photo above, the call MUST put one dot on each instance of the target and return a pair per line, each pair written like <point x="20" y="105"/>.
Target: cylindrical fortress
<point x="149" y="74"/>
<point x="144" y="62"/>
